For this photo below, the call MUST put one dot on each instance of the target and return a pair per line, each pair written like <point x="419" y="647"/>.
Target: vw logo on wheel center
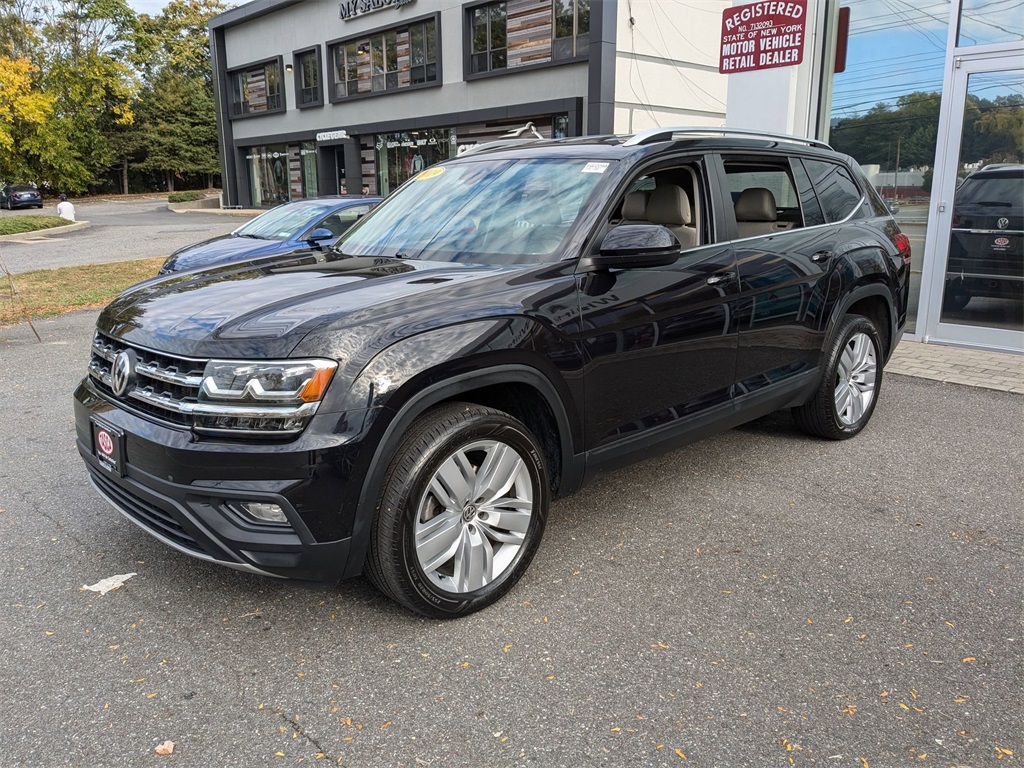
<point x="122" y="372"/>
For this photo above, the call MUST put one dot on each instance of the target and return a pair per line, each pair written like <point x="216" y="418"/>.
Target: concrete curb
<point x="43" y="234"/>
<point x="246" y="212"/>
<point x="206" y="203"/>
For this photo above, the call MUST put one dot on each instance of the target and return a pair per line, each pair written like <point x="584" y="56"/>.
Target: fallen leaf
<point x="864" y="763"/>
<point x="151" y="695"/>
<point x="386" y="725"/>
<point x="507" y="648"/>
<point x="108" y="584"/>
<point x="164" y="749"/>
<point x="682" y="755"/>
<point x="969" y="659"/>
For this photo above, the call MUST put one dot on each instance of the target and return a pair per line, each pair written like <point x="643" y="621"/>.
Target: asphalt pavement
<point x="758" y="599"/>
<point x="119" y="230"/>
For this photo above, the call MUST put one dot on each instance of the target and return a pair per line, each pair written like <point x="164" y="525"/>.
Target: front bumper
<point x="187" y="492"/>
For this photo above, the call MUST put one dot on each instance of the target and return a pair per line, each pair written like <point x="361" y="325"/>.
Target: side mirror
<point x="637" y="246"/>
<point x="319" y="236"/>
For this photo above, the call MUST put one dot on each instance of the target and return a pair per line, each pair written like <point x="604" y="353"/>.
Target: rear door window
<point x="838" y="193"/>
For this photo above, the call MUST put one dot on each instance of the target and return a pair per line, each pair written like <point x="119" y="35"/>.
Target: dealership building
<point x="318" y="97"/>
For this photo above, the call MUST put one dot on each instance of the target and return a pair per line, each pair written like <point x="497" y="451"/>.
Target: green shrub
<point x="185" y="197"/>
<point x="15" y="225"/>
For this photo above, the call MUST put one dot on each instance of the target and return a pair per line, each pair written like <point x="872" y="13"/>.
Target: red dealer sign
<point x="762" y="36"/>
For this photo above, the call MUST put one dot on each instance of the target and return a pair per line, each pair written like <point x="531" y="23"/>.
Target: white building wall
<point x="666" y="68"/>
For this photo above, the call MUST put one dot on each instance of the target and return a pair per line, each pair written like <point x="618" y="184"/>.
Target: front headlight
<point x="290" y="382"/>
<point x="275" y="397"/>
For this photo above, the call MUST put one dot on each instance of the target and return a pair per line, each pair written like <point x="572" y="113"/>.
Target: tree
<point x="177" y="128"/>
<point x="177" y="114"/>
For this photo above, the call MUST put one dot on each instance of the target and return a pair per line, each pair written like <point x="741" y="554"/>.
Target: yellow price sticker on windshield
<point x="430" y="173"/>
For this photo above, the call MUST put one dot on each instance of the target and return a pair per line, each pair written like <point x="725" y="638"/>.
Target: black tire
<point x="842" y="405"/>
<point x="955" y="296"/>
<point x="410" y="503"/>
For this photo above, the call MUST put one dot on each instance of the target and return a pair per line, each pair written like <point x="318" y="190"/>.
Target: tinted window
<point x="838" y="194"/>
<point x="812" y="211"/>
<point x="1004" y="188"/>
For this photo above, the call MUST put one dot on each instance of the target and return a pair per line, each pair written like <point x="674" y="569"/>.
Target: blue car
<point x="299" y="225"/>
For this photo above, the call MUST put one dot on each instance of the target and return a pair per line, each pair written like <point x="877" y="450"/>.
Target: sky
<point x="149" y="7"/>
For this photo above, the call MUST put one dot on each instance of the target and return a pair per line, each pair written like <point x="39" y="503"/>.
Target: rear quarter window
<point x="837" y="192"/>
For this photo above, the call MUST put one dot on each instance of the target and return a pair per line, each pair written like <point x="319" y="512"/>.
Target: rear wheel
<point x="461" y="513"/>
<point x="845" y="399"/>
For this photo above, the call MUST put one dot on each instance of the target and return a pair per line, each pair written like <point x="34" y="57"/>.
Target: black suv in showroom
<point x="986" y="249"/>
<point x="500" y="330"/>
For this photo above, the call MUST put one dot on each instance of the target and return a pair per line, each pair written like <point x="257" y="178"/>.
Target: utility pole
<point x="896" y="176"/>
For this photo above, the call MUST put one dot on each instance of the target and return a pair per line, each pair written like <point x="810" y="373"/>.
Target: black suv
<point x="986" y="250"/>
<point x="497" y="332"/>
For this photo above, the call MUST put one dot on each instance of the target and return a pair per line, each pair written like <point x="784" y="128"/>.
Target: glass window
<point x="423" y="52"/>
<point x="400" y="156"/>
<point x="370" y="65"/>
<point x="490" y="38"/>
<point x="837" y="192"/>
<point x="268" y="174"/>
<point x="984" y="280"/>
<point x="983" y="22"/>
<point x="571" y="28"/>
<point x="885" y="111"/>
<point x="308" y="65"/>
<point x="486" y="211"/>
<point x="257" y="89"/>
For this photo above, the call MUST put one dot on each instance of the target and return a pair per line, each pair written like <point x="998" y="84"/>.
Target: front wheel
<point x="845" y="399"/>
<point x="461" y="513"/>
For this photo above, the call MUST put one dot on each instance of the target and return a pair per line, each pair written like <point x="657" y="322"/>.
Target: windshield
<point x="486" y="211"/>
<point x="284" y="222"/>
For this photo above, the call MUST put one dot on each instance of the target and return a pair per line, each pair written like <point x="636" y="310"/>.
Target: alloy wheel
<point x="472" y="520"/>
<point x="855" y="379"/>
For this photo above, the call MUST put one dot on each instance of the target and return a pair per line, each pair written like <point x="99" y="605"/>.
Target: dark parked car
<point x="986" y="251"/>
<point x="20" y="196"/>
<point x="294" y="226"/>
<point x="500" y="330"/>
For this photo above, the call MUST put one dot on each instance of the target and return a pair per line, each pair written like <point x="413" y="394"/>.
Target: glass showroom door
<point x="976" y="289"/>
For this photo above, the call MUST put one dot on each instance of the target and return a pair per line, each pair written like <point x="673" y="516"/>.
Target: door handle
<point x="721" y="277"/>
<point x="821" y="256"/>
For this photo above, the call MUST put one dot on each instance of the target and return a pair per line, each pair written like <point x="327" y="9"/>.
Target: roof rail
<point x="670" y="134"/>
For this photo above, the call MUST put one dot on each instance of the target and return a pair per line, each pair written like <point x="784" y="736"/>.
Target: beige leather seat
<point x="634" y="208"/>
<point x="670" y="206"/>
<point x="756" y="212"/>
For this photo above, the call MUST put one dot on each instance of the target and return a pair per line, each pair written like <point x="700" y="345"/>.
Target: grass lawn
<point x="15" y="225"/>
<point x="54" y="291"/>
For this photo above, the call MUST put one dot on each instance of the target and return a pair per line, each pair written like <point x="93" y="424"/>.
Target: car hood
<point x="219" y="250"/>
<point x="265" y="311"/>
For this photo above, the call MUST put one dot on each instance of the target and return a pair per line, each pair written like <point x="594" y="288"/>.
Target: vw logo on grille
<point x="1003" y="223"/>
<point x="122" y="372"/>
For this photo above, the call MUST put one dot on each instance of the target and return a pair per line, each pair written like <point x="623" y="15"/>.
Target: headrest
<point x="635" y="205"/>
<point x="669" y="206"/>
<point x="756" y="204"/>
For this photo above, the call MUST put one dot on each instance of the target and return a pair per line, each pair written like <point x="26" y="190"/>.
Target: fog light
<point x="265" y="513"/>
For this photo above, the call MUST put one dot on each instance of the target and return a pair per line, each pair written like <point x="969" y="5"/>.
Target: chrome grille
<point x="166" y="386"/>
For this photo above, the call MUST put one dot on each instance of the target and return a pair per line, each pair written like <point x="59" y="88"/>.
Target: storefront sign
<point x="331" y="135"/>
<point x="763" y="35"/>
<point x="349" y="9"/>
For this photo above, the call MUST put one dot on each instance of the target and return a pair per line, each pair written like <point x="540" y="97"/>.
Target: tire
<point x="442" y="546"/>
<point x="845" y="399"/>
<point x="955" y="297"/>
